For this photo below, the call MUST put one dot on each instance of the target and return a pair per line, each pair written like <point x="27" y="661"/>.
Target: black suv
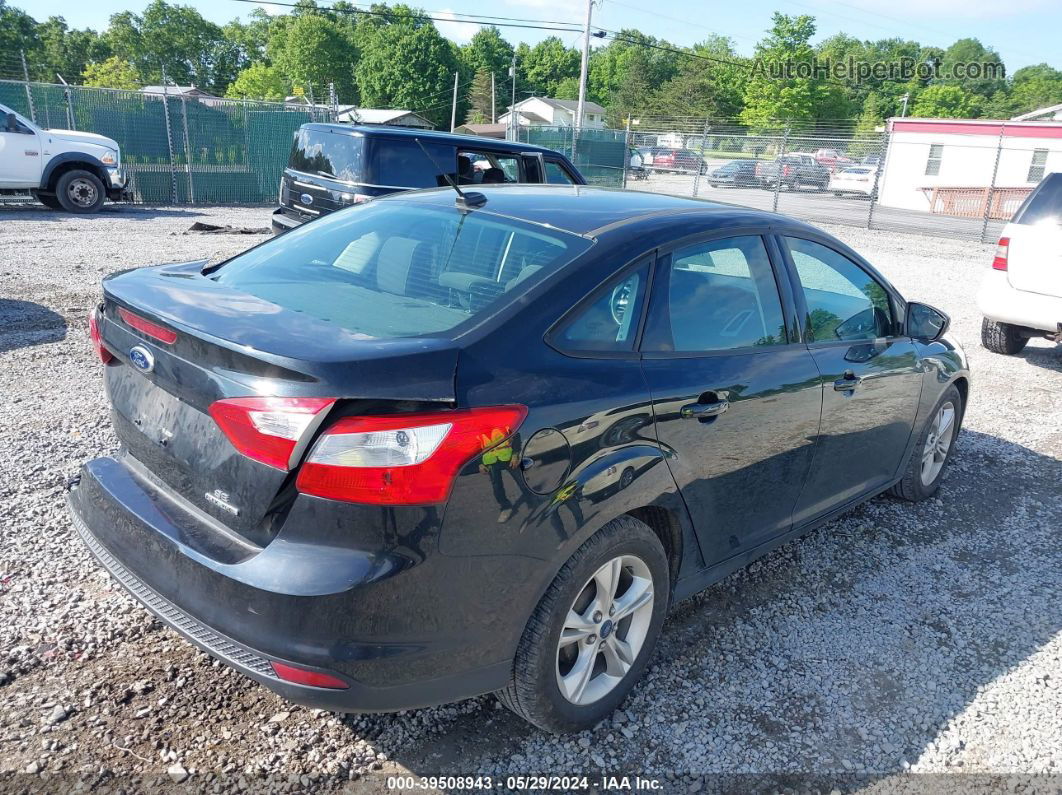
<point x="336" y="165"/>
<point x="792" y="172"/>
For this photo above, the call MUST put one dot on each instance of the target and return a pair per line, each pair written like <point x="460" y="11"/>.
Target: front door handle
<point x="848" y="382"/>
<point x="704" y="411"/>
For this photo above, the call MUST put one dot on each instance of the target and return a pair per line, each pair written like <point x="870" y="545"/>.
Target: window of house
<point x="1037" y="166"/>
<point x="715" y="296"/>
<point x="936" y="154"/>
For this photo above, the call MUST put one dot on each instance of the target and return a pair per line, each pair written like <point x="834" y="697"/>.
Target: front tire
<point x="932" y="451"/>
<point x="592" y="634"/>
<point x="80" y="192"/>
<point x="1002" y="337"/>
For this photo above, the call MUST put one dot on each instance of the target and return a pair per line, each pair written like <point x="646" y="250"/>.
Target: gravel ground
<point x="897" y="640"/>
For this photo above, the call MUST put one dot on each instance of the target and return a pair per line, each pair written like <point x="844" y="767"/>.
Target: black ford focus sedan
<point x="432" y="447"/>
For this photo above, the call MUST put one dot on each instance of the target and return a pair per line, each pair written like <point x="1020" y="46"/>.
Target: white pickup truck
<point x="65" y="169"/>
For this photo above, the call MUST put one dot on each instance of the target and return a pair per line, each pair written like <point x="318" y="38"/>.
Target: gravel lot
<point x="900" y="639"/>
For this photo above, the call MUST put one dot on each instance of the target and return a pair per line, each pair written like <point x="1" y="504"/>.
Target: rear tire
<point x="932" y="452"/>
<point x="80" y="192"/>
<point x="542" y="690"/>
<point x="1002" y="337"/>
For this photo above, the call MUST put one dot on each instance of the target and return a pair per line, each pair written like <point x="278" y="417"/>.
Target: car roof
<point x="588" y="210"/>
<point x="390" y="131"/>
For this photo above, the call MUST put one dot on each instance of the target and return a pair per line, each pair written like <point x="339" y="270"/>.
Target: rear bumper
<point x="255" y="611"/>
<point x="1001" y="302"/>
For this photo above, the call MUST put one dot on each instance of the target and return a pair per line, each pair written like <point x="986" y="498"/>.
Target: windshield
<point x="1044" y="204"/>
<point x="394" y="269"/>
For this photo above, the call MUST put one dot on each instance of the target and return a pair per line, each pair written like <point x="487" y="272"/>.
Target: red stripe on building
<point x="992" y="128"/>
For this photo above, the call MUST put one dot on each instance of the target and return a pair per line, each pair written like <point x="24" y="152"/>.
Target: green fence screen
<point x="600" y="155"/>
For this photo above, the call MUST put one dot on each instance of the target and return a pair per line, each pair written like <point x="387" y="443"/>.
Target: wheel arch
<point x="70" y="161"/>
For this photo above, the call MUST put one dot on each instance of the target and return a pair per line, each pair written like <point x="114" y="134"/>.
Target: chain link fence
<point x="176" y="149"/>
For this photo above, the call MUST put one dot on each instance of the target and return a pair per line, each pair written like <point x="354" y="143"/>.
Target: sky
<point x="1024" y="32"/>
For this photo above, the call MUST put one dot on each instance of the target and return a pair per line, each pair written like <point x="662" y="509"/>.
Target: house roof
<point x="566" y="104"/>
<point x="485" y="130"/>
<point x="1053" y="111"/>
<point x="176" y="91"/>
<point x="383" y="115"/>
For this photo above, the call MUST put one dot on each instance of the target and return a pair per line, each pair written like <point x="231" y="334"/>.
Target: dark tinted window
<point x="844" y="301"/>
<point x="715" y="296"/>
<point x="328" y="154"/>
<point x="402" y="163"/>
<point x="609" y="322"/>
<point x="1045" y="203"/>
<point x="556" y="174"/>
<point x="391" y="269"/>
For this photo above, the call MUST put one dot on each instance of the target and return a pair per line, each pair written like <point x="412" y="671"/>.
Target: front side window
<point x="715" y="296"/>
<point x="392" y="269"/>
<point x="556" y="174"/>
<point x="843" y="301"/>
<point x="609" y="321"/>
<point x="936" y="155"/>
<point x="487" y="167"/>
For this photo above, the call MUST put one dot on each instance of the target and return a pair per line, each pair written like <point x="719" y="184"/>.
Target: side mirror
<point x="11" y="123"/>
<point x="926" y="323"/>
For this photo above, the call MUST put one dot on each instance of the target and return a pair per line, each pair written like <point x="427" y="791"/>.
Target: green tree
<point x="488" y="50"/>
<point x="18" y="34"/>
<point x="942" y="101"/>
<point x="479" y="99"/>
<point x="66" y="52"/>
<point x="112" y="73"/>
<point x="967" y="52"/>
<point x="311" y="51"/>
<point x="260" y="81"/>
<point x="547" y="65"/>
<point x="1035" y="87"/>
<point x="771" y="97"/>
<point x="610" y="65"/>
<point x="711" y="88"/>
<point x="406" y="63"/>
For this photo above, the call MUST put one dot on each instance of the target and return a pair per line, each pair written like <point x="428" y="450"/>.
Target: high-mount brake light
<point x="999" y="262"/>
<point x="403" y="459"/>
<point x="145" y="326"/>
<point x="97" y="337"/>
<point x="267" y="429"/>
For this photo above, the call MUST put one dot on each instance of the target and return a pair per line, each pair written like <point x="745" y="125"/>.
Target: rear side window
<point x="402" y="163"/>
<point x="392" y="269"/>
<point x="844" y="302"/>
<point x="328" y="154"/>
<point x="715" y="296"/>
<point x="609" y="321"/>
<point x="1043" y="204"/>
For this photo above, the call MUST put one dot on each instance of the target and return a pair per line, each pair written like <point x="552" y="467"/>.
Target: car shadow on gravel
<point x="1048" y="357"/>
<point x="853" y="652"/>
<point x="24" y="323"/>
<point x="136" y="212"/>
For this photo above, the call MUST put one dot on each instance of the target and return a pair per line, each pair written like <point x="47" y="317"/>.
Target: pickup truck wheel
<point x="1002" y="337"/>
<point x="591" y="636"/>
<point x="80" y="192"/>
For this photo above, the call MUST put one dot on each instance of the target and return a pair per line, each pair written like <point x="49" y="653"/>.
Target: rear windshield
<point x="1044" y="204"/>
<point x="328" y="154"/>
<point x="397" y="269"/>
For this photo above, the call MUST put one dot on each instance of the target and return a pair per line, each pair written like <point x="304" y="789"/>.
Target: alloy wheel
<point x="605" y="629"/>
<point x="938" y="443"/>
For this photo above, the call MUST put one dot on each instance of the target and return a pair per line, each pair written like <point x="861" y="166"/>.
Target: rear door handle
<point x="704" y="411"/>
<point x="848" y="382"/>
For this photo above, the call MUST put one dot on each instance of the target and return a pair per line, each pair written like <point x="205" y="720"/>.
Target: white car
<point x="854" y="180"/>
<point x="65" y="169"/>
<point x="1021" y="295"/>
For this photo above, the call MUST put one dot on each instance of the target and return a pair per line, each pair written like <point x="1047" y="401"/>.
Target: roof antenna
<point x="466" y="201"/>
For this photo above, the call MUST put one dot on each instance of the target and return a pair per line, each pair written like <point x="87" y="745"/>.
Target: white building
<point x="955" y="166"/>
<point x="546" y="112"/>
<point x="394" y="118"/>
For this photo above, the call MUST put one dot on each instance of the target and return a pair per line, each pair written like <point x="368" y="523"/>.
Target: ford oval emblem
<point x="306" y="198"/>
<point x="142" y="359"/>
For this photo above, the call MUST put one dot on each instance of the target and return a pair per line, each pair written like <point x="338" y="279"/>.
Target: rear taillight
<point x="145" y="326"/>
<point x="304" y="676"/>
<point x="403" y="459"/>
<point x="97" y="337"/>
<point x="267" y="429"/>
<point x="999" y="262"/>
<point x="787" y="170"/>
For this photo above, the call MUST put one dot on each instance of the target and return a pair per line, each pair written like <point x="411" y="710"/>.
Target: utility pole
<point x="29" y="94"/>
<point x="512" y="108"/>
<point x="493" y="110"/>
<point x="903" y="112"/>
<point x="453" y="109"/>
<point x="582" y="74"/>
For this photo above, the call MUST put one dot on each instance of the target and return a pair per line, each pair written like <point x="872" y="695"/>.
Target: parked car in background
<point x="735" y="174"/>
<point x="832" y="159"/>
<point x="853" y="181"/>
<point x="678" y="161"/>
<point x="428" y="448"/>
<point x="1021" y="295"/>
<point x="792" y="172"/>
<point x="636" y="164"/>
<point x="871" y="160"/>
<point x="332" y="166"/>
<point x="64" y="169"/>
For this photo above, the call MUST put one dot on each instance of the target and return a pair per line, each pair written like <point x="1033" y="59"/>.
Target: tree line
<point x="394" y="56"/>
